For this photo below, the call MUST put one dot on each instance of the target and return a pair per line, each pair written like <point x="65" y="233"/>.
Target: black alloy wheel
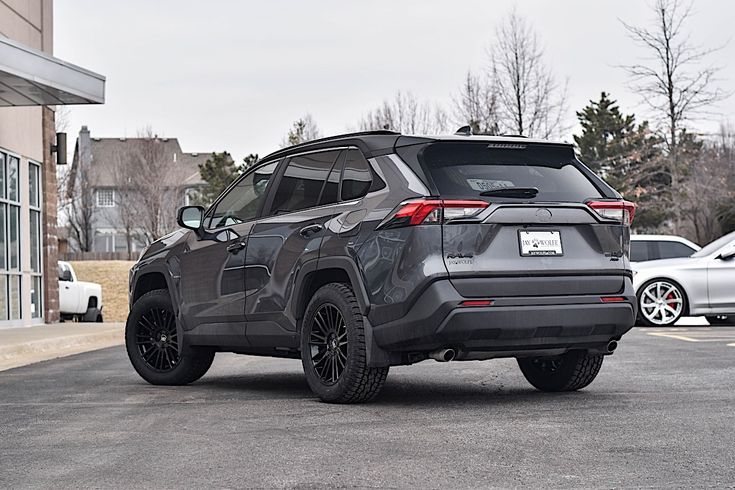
<point x="328" y="343"/>
<point x="155" y="345"/>
<point x="157" y="340"/>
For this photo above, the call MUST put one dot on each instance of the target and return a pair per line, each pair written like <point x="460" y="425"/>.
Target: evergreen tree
<point x="219" y="171"/>
<point x="629" y="157"/>
<point x="604" y="132"/>
<point x="249" y="161"/>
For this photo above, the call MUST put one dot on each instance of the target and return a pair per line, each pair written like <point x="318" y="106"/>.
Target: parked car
<point x="364" y="251"/>
<point x="703" y="284"/>
<point x="78" y="300"/>
<point x="655" y="247"/>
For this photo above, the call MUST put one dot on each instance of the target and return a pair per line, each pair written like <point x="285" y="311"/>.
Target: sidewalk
<point x="26" y="345"/>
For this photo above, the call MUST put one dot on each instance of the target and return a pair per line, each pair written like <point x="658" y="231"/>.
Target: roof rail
<point x="377" y="132"/>
<point x="514" y="135"/>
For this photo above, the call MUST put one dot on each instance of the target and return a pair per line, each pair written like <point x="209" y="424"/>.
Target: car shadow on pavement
<point x="399" y="392"/>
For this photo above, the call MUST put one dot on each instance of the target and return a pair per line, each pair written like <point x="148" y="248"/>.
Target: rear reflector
<point x="612" y="299"/>
<point x="431" y="211"/>
<point x="476" y="302"/>
<point x="622" y="211"/>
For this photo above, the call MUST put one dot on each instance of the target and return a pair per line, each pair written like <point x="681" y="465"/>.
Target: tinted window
<point x="331" y="187"/>
<point x="638" y="251"/>
<point x="241" y="203"/>
<point x="302" y="182"/>
<point x="357" y="178"/>
<point x="672" y="250"/>
<point x="467" y="169"/>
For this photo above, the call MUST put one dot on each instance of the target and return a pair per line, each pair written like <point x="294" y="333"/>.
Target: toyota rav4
<point x="363" y="251"/>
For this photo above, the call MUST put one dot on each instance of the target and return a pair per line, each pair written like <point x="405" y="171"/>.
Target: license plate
<point x="540" y="243"/>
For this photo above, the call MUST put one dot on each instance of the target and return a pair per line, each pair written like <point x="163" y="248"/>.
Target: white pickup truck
<point x="78" y="300"/>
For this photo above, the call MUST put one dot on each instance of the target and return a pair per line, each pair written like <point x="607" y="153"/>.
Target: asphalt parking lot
<point x="661" y="413"/>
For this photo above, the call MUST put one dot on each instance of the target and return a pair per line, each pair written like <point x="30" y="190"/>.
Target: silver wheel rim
<point x="661" y="303"/>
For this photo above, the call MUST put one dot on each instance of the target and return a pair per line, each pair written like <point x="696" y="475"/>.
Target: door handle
<point x="307" y="231"/>
<point x="234" y="248"/>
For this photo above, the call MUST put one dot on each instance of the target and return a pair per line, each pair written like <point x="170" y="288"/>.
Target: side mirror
<point x="65" y="275"/>
<point x="190" y="217"/>
<point x="728" y="254"/>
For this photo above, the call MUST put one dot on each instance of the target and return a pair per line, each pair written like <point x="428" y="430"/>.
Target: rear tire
<point x="568" y="372"/>
<point x="333" y="350"/>
<point x="153" y="342"/>
<point x="721" y="319"/>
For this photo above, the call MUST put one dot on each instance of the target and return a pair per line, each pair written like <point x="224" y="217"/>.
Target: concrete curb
<point x="50" y="342"/>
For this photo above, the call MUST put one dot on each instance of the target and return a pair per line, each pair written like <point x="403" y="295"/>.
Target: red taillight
<point x="622" y="211"/>
<point x="476" y="302"/>
<point x="612" y="299"/>
<point x="427" y="211"/>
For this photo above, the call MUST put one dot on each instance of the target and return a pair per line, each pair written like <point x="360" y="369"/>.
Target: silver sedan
<point x="702" y="284"/>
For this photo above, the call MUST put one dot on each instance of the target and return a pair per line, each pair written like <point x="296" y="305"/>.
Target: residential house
<point x="126" y="181"/>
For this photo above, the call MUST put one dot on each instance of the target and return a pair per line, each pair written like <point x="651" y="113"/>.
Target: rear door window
<point x="468" y="169"/>
<point x="357" y="178"/>
<point x="302" y="182"/>
<point x="672" y="250"/>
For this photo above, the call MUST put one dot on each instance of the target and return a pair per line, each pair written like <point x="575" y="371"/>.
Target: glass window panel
<point x="302" y="182"/>
<point x="33" y="181"/>
<point x="357" y="178"/>
<point x="35" y="241"/>
<point x="3" y="237"/>
<point x="14" y="237"/>
<point x="3" y="297"/>
<point x="14" y="302"/>
<point x="13" y="193"/>
<point x="2" y="175"/>
<point x="241" y="203"/>
<point x="36" y="297"/>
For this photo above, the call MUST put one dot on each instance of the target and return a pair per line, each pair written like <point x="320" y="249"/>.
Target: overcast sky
<point x="233" y="75"/>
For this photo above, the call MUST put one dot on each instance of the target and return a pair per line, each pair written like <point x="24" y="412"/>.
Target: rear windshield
<point x="468" y="169"/>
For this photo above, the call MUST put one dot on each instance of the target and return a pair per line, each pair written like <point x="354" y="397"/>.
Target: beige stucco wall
<point x="28" y="22"/>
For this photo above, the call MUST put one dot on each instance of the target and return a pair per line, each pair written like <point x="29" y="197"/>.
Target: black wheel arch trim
<point x="345" y="264"/>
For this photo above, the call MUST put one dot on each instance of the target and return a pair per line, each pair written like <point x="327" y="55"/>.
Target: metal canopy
<point x="30" y="78"/>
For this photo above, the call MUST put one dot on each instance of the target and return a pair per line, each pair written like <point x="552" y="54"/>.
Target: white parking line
<point x="699" y="335"/>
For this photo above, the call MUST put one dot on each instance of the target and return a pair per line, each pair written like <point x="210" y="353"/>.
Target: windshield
<point x="471" y="169"/>
<point x="715" y="246"/>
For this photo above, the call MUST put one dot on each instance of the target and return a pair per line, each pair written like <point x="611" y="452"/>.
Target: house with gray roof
<point x="122" y="193"/>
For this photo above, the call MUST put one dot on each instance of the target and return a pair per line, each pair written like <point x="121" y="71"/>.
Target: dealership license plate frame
<point x="548" y="252"/>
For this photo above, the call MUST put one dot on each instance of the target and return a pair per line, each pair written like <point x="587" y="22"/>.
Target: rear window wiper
<point x="513" y="192"/>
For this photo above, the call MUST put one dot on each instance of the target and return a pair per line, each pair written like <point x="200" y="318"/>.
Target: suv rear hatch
<point x="525" y="219"/>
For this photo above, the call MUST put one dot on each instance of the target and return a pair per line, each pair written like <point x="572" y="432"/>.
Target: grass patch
<point x="113" y="276"/>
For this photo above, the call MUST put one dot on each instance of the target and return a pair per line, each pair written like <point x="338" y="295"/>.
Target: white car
<point x="655" y="247"/>
<point x="703" y="284"/>
<point x="78" y="300"/>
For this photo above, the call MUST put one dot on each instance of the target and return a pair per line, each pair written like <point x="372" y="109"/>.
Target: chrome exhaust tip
<point x="612" y="345"/>
<point x="443" y="355"/>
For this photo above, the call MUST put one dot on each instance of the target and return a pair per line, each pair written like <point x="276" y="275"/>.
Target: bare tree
<point x="476" y="105"/>
<point x="709" y="196"/>
<point x="304" y="129"/>
<point x="405" y="114"/>
<point x="126" y="214"/>
<point x="674" y="81"/>
<point x="77" y="205"/>
<point x="530" y="100"/>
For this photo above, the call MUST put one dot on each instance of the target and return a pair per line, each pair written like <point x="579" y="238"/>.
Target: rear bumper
<point x="511" y="327"/>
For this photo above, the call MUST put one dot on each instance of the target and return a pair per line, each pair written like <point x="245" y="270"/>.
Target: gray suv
<point x="363" y="251"/>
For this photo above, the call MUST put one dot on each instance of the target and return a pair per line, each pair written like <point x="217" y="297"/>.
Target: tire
<point x="93" y="315"/>
<point x="333" y="352"/>
<point x="666" y="302"/>
<point x="153" y="346"/>
<point x="721" y="320"/>
<point x="569" y="372"/>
